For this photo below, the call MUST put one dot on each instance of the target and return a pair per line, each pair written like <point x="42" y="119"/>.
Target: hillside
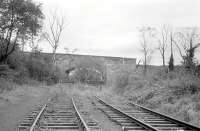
<point x="175" y="93"/>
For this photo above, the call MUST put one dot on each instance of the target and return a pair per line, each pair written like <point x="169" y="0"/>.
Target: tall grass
<point x="175" y="93"/>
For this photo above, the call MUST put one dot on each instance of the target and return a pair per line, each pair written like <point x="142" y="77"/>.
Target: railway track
<point x="134" y="117"/>
<point x="69" y="115"/>
<point x="127" y="122"/>
<point x="59" y="116"/>
<point x="160" y="120"/>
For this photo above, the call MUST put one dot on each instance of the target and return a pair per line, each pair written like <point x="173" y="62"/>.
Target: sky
<point x="110" y="27"/>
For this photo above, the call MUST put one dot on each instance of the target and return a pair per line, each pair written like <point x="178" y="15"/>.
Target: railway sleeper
<point x="59" y="127"/>
<point x="135" y="128"/>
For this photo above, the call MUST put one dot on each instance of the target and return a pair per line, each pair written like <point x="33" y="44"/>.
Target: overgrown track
<point x="63" y="116"/>
<point x="161" y="121"/>
<point x="127" y="122"/>
<point x="31" y="120"/>
<point x="152" y="119"/>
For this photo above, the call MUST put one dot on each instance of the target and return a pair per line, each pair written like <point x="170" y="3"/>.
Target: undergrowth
<point x="175" y="93"/>
<point x="32" y="68"/>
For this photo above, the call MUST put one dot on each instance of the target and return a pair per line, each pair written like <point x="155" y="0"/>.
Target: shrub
<point x="89" y="69"/>
<point x="184" y="84"/>
<point x="15" y="60"/>
<point x="41" y="69"/>
<point x="145" y="98"/>
<point x="26" y="66"/>
<point x="121" y="81"/>
<point x="6" y="85"/>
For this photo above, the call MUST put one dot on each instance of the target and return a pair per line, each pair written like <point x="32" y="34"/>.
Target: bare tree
<point x="56" y="26"/>
<point x="138" y="64"/>
<point x="162" y="38"/>
<point x="146" y="35"/>
<point x="187" y="41"/>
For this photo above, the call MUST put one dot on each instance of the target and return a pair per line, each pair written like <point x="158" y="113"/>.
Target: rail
<point x="167" y="117"/>
<point x="146" y="126"/>
<point x="37" y="118"/>
<point x="83" y="123"/>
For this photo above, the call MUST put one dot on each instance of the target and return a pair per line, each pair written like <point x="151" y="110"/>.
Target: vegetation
<point x="171" y="60"/>
<point x="56" y="27"/>
<point x="162" y="42"/>
<point x="21" y="23"/>
<point x="146" y="34"/>
<point x="18" y="20"/>
<point x="175" y="92"/>
<point x="88" y="70"/>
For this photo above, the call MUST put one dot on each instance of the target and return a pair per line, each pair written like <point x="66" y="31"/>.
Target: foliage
<point x="122" y="80"/>
<point x="184" y="84"/>
<point x="31" y="66"/>
<point x="6" y="85"/>
<point x="89" y="69"/>
<point x="17" y="18"/>
<point x="187" y="42"/>
<point x="175" y="93"/>
<point x="40" y="68"/>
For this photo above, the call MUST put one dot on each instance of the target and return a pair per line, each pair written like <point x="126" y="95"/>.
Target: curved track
<point x="150" y="119"/>
<point x="161" y="121"/>
<point x="127" y="122"/>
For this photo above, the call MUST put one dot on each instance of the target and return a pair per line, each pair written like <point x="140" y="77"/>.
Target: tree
<point x="187" y="42"/>
<point x="171" y="60"/>
<point x="162" y="41"/>
<point x="56" y="27"/>
<point x="146" y="35"/>
<point x="17" y="18"/>
<point x="33" y="44"/>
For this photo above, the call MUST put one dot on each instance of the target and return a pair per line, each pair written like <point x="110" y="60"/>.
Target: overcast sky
<point x="110" y="27"/>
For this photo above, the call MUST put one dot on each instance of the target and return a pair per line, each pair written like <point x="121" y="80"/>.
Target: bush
<point x="175" y="93"/>
<point x="16" y="64"/>
<point x="15" y="60"/>
<point x="6" y="85"/>
<point x="41" y="69"/>
<point x="89" y="69"/>
<point x="184" y="84"/>
<point x="22" y="67"/>
<point x="121" y="81"/>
